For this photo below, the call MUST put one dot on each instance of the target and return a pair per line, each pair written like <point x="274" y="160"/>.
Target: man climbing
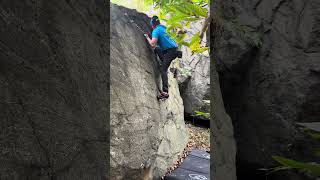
<point x="167" y="50"/>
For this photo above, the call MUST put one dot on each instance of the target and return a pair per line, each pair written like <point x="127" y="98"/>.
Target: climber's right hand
<point x="146" y="35"/>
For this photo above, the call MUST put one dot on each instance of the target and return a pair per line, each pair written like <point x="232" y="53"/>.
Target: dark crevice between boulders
<point x="232" y="81"/>
<point x="197" y="120"/>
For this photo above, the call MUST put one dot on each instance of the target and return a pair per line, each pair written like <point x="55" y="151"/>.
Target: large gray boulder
<point x="194" y="75"/>
<point x="221" y="127"/>
<point x="222" y="136"/>
<point x="142" y="128"/>
<point x="268" y="62"/>
<point x="195" y="91"/>
<point x="53" y="90"/>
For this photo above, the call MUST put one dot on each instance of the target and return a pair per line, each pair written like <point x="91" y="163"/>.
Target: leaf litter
<point x="199" y="138"/>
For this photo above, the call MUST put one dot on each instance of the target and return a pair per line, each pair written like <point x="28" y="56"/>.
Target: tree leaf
<point x="201" y="49"/>
<point x="195" y="39"/>
<point x="313" y="168"/>
<point x="196" y="10"/>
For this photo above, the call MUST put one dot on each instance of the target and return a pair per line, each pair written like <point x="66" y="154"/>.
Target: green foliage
<point x="200" y="49"/>
<point x="139" y="5"/>
<point x="203" y="114"/>
<point x="315" y="135"/>
<point x="312" y="168"/>
<point x="178" y="14"/>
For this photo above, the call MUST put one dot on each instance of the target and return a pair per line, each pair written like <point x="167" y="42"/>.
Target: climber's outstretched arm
<point x="152" y="42"/>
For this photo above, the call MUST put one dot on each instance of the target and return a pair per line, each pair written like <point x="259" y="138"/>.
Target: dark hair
<point x="154" y="21"/>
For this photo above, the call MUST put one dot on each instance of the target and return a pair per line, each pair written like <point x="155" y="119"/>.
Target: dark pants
<point x="166" y="57"/>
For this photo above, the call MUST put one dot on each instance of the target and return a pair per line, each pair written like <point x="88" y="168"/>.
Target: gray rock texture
<point x="221" y="127"/>
<point x="194" y="75"/>
<point x="142" y="128"/>
<point x="53" y="90"/>
<point x="268" y="59"/>
<point x="196" y="94"/>
<point x="222" y="138"/>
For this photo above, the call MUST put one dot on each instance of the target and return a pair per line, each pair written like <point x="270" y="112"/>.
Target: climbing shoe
<point x="179" y="54"/>
<point x="163" y="95"/>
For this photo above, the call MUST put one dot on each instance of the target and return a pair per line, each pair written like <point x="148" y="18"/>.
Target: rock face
<point x="53" y="90"/>
<point x="268" y="62"/>
<point x="221" y="128"/>
<point x="196" y="94"/>
<point x="194" y="76"/>
<point x="142" y="128"/>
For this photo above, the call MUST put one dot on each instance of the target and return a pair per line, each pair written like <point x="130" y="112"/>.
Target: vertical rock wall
<point x="142" y="128"/>
<point x="221" y="127"/>
<point x="268" y="64"/>
<point x="53" y="90"/>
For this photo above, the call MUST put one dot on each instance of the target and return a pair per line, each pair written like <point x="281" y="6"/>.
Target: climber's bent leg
<point x="169" y="55"/>
<point x="159" y="52"/>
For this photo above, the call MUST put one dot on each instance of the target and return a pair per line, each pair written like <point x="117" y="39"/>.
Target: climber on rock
<point x="167" y="50"/>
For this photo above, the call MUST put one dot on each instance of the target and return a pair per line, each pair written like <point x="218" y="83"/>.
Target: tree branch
<point x="205" y="26"/>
